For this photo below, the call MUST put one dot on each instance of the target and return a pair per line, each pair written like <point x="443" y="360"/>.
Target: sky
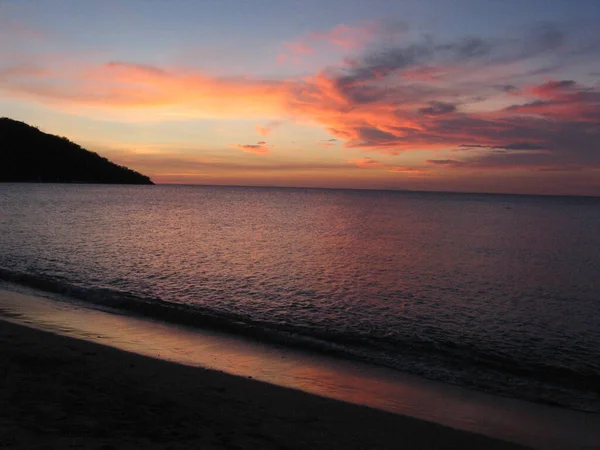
<point x="445" y="95"/>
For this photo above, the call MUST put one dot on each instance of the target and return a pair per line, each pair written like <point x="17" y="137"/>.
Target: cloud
<point x="262" y="131"/>
<point x="366" y="162"/>
<point x="298" y="48"/>
<point x="437" y="109"/>
<point x="172" y="165"/>
<point x="491" y="100"/>
<point x="370" y="104"/>
<point x="444" y="162"/>
<point x="267" y="128"/>
<point x="552" y="88"/>
<point x="371" y="163"/>
<point x="349" y="38"/>
<point x="260" y="148"/>
<point x="542" y="38"/>
<point x="294" y="51"/>
<point x="526" y="146"/>
<point x="327" y="143"/>
<point x="509" y="88"/>
<point x="562" y="100"/>
<point x="144" y="92"/>
<point x="342" y="37"/>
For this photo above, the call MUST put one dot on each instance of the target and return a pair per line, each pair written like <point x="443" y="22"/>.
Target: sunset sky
<point x="459" y="95"/>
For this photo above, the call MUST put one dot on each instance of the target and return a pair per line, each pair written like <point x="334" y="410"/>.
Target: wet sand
<point x="60" y="392"/>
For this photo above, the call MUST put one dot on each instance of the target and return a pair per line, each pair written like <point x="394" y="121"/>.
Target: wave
<point x="439" y="360"/>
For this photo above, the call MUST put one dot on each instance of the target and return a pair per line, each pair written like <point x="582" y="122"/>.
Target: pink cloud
<point x="426" y="73"/>
<point x="562" y="100"/>
<point x="554" y="88"/>
<point x="366" y="162"/>
<point x="294" y="51"/>
<point x="370" y="104"/>
<point x="349" y="38"/>
<point x="342" y="37"/>
<point x="299" y="48"/>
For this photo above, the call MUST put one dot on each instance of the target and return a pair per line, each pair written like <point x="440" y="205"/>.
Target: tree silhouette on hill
<point x="30" y="155"/>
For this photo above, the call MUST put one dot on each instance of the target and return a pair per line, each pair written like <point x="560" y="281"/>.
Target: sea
<point x="498" y="293"/>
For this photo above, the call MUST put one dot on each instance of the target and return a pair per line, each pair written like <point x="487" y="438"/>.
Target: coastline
<point x="62" y="392"/>
<point x="354" y="384"/>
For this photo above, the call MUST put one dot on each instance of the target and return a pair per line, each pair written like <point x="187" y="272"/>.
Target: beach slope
<point x="60" y="392"/>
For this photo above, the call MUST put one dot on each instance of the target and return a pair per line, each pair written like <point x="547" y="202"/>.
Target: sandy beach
<point x="60" y="392"/>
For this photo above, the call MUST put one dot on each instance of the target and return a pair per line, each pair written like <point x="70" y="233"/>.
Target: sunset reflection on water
<point x="377" y="387"/>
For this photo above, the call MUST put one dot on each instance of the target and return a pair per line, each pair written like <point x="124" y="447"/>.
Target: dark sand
<point x="60" y="392"/>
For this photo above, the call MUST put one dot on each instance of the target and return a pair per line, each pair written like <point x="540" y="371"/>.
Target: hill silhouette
<point x="30" y="155"/>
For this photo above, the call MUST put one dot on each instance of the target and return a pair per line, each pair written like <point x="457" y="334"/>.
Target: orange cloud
<point x="357" y="106"/>
<point x="262" y="131"/>
<point x="327" y="143"/>
<point x="371" y="163"/>
<point x="562" y="99"/>
<point x="381" y="101"/>
<point x="265" y="130"/>
<point x="366" y="162"/>
<point x="444" y="162"/>
<point x="148" y="92"/>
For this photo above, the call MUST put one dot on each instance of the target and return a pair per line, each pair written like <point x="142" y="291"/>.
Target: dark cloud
<point x="260" y="148"/>
<point x="146" y="68"/>
<point x="466" y="49"/>
<point x="559" y="85"/>
<point x="444" y="162"/>
<point x="437" y="109"/>
<point x="372" y="135"/>
<point x="383" y="62"/>
<point x="528" y="105"/>
<point x="561" y="168"/>
<point x="545" y="37"/>
<point x="512" y="146"/>
<point x="507" y="88"/>
<point x="363" y="80"/>
<point x="521" y="146"/>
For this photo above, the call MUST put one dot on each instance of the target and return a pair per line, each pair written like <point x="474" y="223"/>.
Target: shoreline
<point x="355" y="384"/>
<point x="182" y="316"/>
<point x="62" y="392"/>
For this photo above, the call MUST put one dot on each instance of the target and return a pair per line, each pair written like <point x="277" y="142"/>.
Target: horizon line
<point x="411" y="191"/>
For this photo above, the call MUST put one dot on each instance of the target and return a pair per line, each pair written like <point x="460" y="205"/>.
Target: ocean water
<point x="499" y="293"/>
